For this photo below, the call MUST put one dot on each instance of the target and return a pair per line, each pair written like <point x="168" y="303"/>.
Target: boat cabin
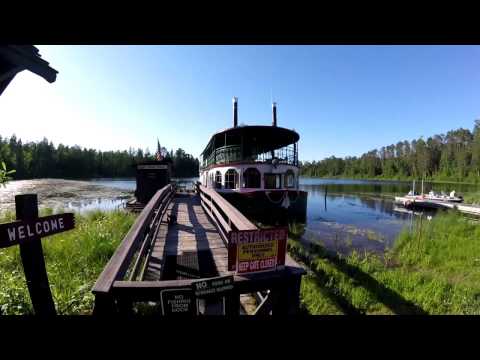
<point x="251" y="158"/>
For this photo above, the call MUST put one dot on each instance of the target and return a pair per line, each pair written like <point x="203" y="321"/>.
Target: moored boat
<point x="256" y="168"/>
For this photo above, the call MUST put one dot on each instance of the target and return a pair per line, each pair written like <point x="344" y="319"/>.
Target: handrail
<point x="225" y="215"/>
<point x="119" y="263"/>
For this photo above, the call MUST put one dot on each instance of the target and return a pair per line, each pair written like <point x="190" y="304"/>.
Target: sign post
<point x="27" y="232"/>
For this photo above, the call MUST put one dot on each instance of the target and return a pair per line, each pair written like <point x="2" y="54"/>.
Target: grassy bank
<point x="74" y="259"/>
<point x="472" y="198"/>
<point x="433" y="270"/>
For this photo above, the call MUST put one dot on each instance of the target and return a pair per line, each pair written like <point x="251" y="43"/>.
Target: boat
<point x="414" y="197"/>
<point x="256" y="168"/>
<point x="444" y="197"/>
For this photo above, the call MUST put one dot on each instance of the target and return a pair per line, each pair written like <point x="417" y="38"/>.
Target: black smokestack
<point x="274" y="114"/>
<point x="235" y="112"/>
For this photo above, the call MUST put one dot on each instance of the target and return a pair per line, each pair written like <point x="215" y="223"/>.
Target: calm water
<point x="360" y="214"/>
<point x="357" y="214"/>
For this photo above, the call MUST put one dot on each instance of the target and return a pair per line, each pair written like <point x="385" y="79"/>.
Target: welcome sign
<point x="18" y="232"/>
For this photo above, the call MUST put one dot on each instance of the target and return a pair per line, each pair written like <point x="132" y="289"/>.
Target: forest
<point x="43" y="160"/>
<point x="451" y="157"/>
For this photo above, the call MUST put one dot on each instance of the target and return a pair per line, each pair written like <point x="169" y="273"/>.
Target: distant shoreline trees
<point x="42" y="159"/>
<point x="451" y="157"/>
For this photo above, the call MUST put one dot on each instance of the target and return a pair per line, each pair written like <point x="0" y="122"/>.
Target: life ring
<point x="275" y="202"/>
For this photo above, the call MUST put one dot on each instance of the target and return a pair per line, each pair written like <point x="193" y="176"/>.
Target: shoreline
<point x="391" y="180"/>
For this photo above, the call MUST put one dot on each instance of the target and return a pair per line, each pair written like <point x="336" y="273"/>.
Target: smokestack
<point x="274" y="114"/>
<point x="235" y="112"/>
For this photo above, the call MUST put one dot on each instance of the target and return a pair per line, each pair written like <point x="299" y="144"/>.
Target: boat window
<point x="251" y="178"/>
<point x="289" y="179"/>
<point x="273" y="181"/>
<point x="231" y="179"/>
<point x="218" y="180"/>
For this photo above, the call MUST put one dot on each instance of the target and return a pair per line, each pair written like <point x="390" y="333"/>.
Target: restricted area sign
<point x="178" y="302"/>
<point x="257" y="250"/>
<point x="21" y="231"/>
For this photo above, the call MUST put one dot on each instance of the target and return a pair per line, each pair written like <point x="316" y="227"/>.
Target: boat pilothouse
<point x="256" y="168"/>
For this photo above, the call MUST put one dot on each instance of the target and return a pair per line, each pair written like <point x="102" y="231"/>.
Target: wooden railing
<point x="127" y="259"/>
<point x="118" y="287"/>
<point x="225" y="215"/>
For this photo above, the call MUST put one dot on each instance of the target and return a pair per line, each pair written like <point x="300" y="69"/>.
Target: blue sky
<point x="343" y="100"/>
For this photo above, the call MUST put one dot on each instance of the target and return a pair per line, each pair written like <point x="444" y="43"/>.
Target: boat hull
<point x="266" y="206"/>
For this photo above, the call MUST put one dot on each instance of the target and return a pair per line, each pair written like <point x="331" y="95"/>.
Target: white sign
<point x="152" y="167"/>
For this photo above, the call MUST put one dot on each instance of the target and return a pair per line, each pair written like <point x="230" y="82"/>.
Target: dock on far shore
<point x="418" y="202"/>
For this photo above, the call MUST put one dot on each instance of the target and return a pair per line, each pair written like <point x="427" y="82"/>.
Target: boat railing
<point x="232" y="154"/>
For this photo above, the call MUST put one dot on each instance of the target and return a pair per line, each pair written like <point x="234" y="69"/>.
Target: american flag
<point x="158" y="154"/>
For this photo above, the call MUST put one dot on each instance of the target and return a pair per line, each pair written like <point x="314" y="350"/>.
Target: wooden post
<point x="104" y="305"/>
<point x="31" y="252"/>
<point x="232" y="304"/>
<point x="326" y="197"/>
<point x="286" y="296"/>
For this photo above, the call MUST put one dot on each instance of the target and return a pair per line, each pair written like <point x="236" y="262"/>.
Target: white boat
<point x="444" y="197"/>
<point x="256" y="168"/>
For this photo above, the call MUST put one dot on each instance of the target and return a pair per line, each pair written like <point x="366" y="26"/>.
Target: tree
<point x="4" y="174"/>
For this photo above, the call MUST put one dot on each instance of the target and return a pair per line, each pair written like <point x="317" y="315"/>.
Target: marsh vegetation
<point x="433" y="269"/>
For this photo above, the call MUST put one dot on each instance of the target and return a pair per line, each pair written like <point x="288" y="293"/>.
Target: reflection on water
<point x="123" y="184"/>
<point x="95" y="204"/>
<point x="359" y="214"/>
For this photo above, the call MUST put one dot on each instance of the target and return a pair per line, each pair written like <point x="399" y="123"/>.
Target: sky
<point x="342" y="100"/>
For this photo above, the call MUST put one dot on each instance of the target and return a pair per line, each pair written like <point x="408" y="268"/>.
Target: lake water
<point x="357" y="214"/>
<point x="360" y="214"/>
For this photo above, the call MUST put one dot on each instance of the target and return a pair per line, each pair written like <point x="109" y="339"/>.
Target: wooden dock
<point x="418" y="202"/>
<point x="189" y="248"/>
<point x="182" y="238"/>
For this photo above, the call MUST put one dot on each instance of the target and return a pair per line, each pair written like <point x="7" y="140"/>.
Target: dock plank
<point x="192" y="242"/>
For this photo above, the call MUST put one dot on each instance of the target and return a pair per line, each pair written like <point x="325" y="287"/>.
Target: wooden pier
<point x="182" y="238"/>
<point x="418" y="202"/>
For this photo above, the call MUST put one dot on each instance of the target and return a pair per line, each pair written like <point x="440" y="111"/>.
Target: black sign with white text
<point x="178" y="302"/>
<point x="21" y="231"/>
<point x="215" y="286"/>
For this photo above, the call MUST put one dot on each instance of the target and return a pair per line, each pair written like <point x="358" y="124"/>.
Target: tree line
<point x="43" y="160"/>
<point x="454" y="156"/>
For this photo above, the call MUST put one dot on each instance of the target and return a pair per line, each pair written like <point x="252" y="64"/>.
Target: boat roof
<point x="265" y="137"/>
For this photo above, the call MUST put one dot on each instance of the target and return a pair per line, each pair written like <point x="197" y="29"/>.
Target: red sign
<point x="257" y="250"/>
<point x="21" y="231"/>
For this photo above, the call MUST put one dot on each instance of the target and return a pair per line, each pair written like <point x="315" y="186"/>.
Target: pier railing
<point x="225" y="215"/>
<point x="118" y="287"/>
<point x="128" y="259"/>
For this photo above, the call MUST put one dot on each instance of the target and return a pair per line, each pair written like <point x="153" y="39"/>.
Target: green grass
<point x="74" y="260"/>
<point x="472" y="198"/>
<point x="435" y="270"/>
